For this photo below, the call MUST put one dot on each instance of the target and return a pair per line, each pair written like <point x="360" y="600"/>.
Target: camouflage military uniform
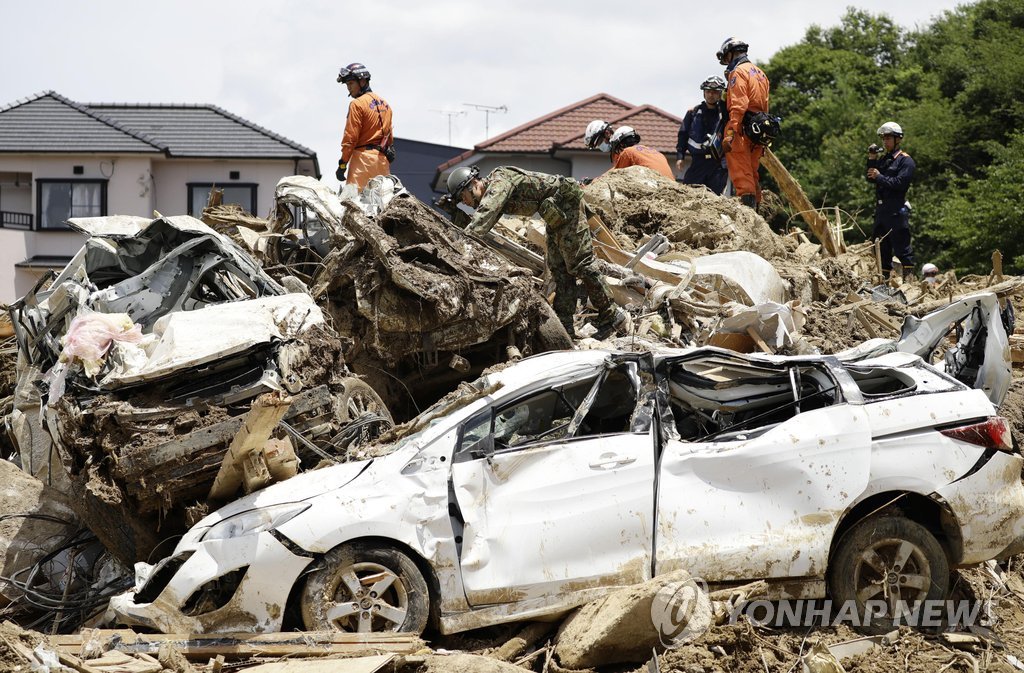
<point x="559" y="201"/>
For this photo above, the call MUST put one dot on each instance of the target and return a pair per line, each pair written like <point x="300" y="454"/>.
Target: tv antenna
<point x="450" y="114"/>
<point x="487" y="110"/>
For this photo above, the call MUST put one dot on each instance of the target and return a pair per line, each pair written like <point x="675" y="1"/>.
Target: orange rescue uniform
<point x="747" y="90"/>
<point x="641" y="155"/>
<point x="368" y="123"/>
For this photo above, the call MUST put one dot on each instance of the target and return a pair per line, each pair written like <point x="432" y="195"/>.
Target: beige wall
<point x="137" y="185"/>
<point x="172" y="175"/>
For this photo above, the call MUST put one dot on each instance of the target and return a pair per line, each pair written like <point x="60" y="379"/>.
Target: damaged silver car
<point x="556" y="479"/>
<point x="139" y="361"/>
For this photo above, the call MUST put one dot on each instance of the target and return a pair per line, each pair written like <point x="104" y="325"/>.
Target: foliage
<point x="957" y="88"/>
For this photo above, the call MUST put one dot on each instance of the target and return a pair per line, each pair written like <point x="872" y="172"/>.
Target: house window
<point x="59" y="200"/>
<point x="243" y="194"/>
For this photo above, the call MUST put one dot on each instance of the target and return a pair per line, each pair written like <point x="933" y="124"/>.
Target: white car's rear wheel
<point x="888" y="566"/>
<point x="364" y="589"/>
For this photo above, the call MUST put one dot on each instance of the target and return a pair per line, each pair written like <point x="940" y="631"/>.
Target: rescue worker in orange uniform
<point x="625" y="148"/>
<point x="367" y="147"/>
<point x="746" y="92"/>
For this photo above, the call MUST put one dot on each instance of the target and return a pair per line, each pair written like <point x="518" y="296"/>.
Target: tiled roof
<point x="657" y="129"/>
<point x="537" y="135"/>
<point x="202" y="131"/>
<point x="48" y="122"/>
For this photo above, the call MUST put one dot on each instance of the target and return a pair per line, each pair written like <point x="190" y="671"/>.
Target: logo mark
<point x="681" y="612"/>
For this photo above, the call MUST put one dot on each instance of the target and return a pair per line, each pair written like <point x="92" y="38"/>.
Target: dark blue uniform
<point x="704" y="169"/>
<point x="892" y="215"/>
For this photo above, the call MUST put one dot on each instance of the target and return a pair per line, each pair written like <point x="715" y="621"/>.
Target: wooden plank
<point x="265" y="413"/>
<point x="865" y="323"/>
<point x="666" y="273"/>
<point x="601" y="233"/>
<point x="353" y="665"/>
<point x="798" y="199"/>
<point x="201" y="647"/>
<point x="135" y="465"/>
<point x="752" y="333"/>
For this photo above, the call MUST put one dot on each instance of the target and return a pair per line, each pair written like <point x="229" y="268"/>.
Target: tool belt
<point x="388" y="152"/>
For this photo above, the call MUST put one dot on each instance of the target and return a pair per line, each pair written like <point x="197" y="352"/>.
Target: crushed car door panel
<point x="763" y="500"/>
<point x="543" y="513"/>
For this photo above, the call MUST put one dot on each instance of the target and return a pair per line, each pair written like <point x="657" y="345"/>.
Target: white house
<point x="62" y="159"/>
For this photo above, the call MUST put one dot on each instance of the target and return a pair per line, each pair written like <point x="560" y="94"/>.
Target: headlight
<point x="255" y="521"/>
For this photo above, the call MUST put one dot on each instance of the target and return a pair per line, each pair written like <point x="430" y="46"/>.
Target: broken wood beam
<point x="201" y="647"/>
<point x="794" y="193"/>
<point x="752" y="333"/>
<point x="266" y="412"/>
<point x="600" y="232"/>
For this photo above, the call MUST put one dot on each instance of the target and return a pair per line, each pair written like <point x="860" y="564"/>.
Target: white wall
<point x="137" y="185"/>
<point x="125" y="194"/>
<point x="172" y="175"/>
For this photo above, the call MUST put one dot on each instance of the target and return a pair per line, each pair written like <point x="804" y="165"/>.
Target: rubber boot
<point x="750" y="201"/>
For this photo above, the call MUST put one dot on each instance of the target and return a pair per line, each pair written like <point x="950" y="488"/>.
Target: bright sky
<point x="275" y="63"/>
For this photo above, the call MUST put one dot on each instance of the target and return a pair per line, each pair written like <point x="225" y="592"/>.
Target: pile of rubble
<point x="176" y="363"/>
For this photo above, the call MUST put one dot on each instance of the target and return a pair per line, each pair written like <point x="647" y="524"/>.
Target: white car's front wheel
<point x="362" y="588"/>
<point x="889" y="567"/>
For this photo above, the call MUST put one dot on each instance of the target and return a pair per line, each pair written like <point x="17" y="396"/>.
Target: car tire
<point x="358" y="398"/>
<point x="885" y="560"/>
<point x="341" y="595"/>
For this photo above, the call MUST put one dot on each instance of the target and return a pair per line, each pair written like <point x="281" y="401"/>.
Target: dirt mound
<point x="638" y="202"/>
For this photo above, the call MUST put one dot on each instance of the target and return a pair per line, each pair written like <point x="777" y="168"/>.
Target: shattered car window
<point x="717" y="397"/>
<point x="548" y="414"/>
<point x="882" y="381"/>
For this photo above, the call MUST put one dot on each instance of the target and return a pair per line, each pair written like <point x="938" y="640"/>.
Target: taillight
<point x="992" y="433"/>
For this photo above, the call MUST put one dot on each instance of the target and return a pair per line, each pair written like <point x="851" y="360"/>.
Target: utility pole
<point x="450" y="114"/>
<point x="487" y="110"/>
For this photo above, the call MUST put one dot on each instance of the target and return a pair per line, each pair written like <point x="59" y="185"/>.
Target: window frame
<point x="253" y="189"/>
<point x="37" y="224"/>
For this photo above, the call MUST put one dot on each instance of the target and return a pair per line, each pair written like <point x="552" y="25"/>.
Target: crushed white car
<point x="569" y="474"/>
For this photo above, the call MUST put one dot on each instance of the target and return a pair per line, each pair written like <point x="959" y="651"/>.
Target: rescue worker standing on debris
<point x="570" y="252"/>
<point x="700" y="134"/>
<point x="892" y="173"/>
<point x="746" y="91"/>
<point x="624" y="144"/>
<point x="367" y="146"/>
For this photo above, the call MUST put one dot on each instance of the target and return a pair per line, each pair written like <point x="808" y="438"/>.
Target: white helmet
<point x="890" y="128"/>
<point x="594" y="135"/>
<point x="624" y="136"/>
<point x="929" y="268"/>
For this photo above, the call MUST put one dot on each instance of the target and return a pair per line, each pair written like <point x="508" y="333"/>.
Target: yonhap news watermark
<point x="683" y="611"/>
<point x="927" y="613"/>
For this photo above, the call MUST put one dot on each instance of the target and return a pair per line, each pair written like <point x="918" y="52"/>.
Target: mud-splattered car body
<point x="568" y="474"/>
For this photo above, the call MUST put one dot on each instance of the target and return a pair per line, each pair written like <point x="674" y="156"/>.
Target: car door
<point x="552" y="497"/>
<point x="761" y="502"/>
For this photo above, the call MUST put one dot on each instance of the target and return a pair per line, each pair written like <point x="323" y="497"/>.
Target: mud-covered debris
<point x="638" y="202"/>
<point x="409" y="289"/>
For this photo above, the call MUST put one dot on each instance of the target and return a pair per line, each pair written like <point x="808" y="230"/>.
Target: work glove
<point x="340" y="173"/>
<point x="727" y="144"/>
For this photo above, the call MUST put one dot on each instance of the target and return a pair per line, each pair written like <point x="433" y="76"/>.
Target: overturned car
<point x="138" y="362"/>
<point x="545" y="484"/>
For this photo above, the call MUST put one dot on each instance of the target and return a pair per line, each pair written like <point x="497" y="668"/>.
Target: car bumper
<point x="218" y="586"/>
<point x="989" y="505"/>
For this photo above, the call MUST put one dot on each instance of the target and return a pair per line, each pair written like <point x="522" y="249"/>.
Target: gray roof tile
<point x="202" y="131"/>
<point x="48" y="122"/>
